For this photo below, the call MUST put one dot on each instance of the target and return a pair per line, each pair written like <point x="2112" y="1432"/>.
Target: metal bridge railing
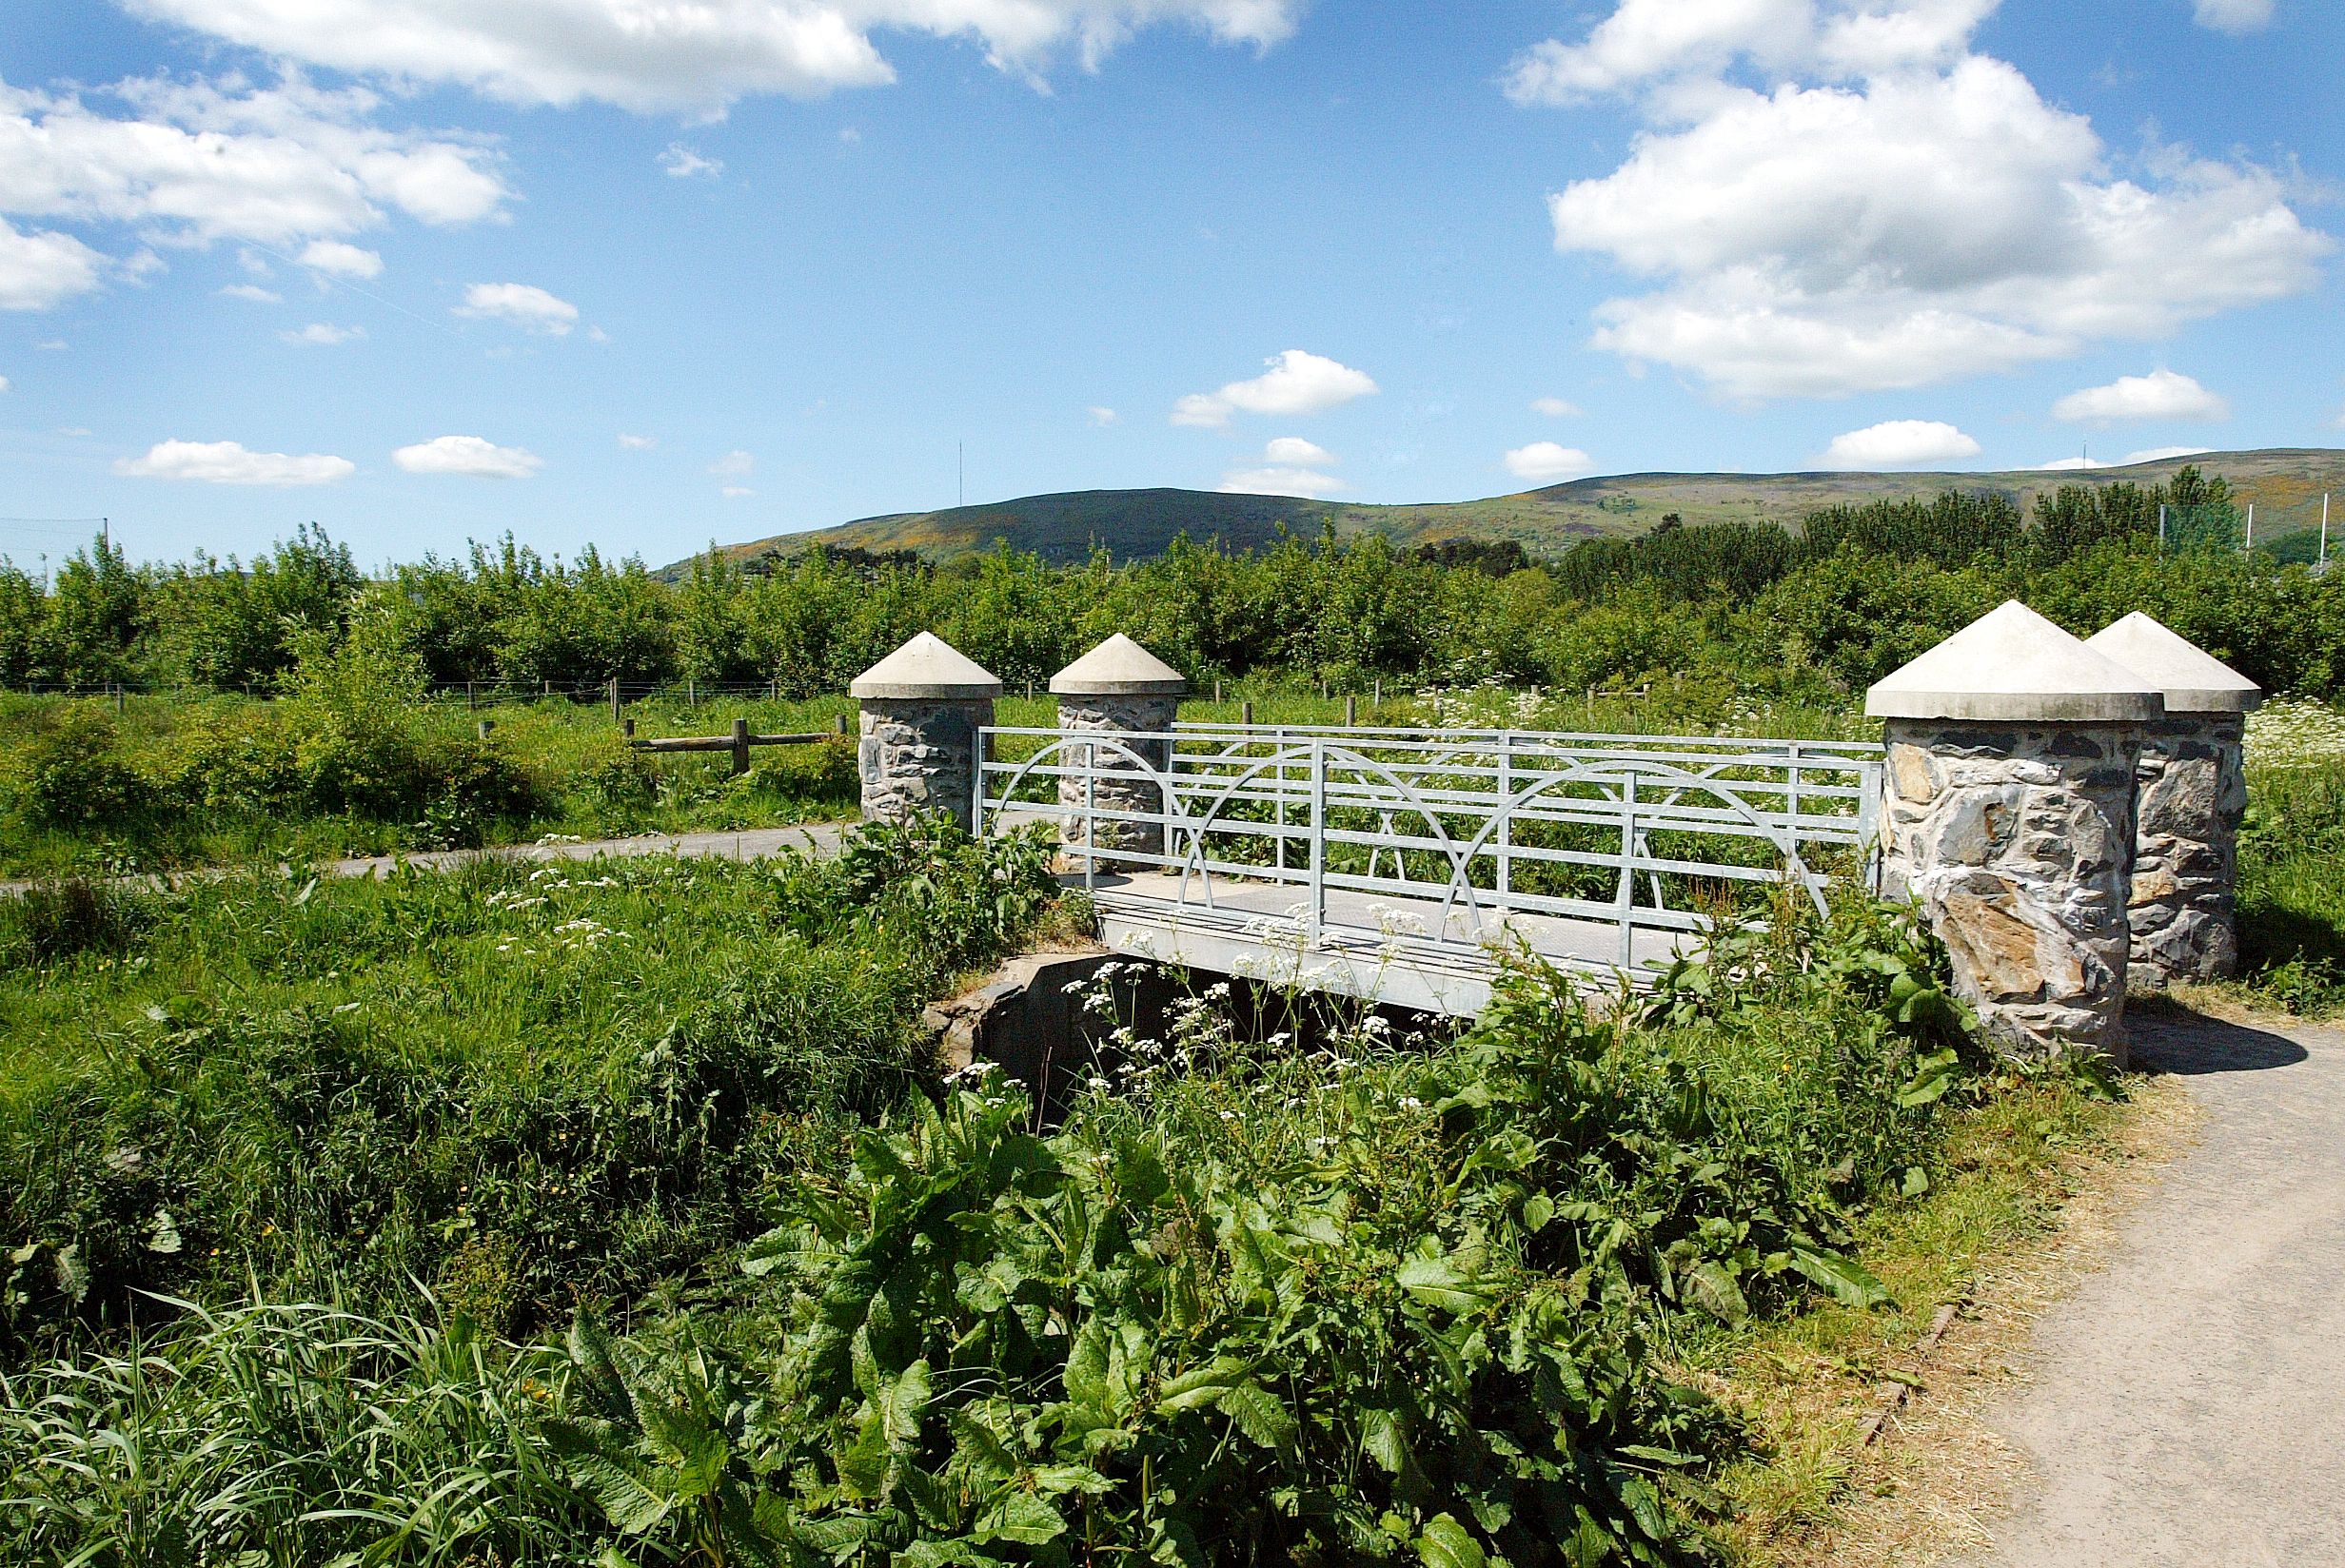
<point x="1640" y="834"/>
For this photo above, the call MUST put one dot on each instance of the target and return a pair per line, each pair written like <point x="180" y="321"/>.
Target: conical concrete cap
<point x="927" y="666"/>
<point x="1119" y="667"/>
<point x="2012" y="665"/>
<point x="2194" y="680"/>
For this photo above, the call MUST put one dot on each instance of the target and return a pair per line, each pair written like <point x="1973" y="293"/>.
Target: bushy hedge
<point x="1811" y="614"/>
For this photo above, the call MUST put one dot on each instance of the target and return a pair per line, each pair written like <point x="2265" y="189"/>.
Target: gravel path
<point x="746" y="844"/>
<point x="2187" y="1404"/>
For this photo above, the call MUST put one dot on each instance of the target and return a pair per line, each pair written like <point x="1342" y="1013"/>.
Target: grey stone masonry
<point x="923" y="706"/>
<point x="1121" y="689"/>
<point x="2008" y="817"/>
<point x="1115" y="778"/>
<point x="2192" y="793"/>
<point x="921" y="756"/>
<point x="2015" y="840"/>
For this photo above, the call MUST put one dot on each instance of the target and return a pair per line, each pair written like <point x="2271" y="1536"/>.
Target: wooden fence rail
<point x="738" y="742"/>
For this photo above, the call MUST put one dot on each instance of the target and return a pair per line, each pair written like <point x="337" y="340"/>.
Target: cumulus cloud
<point x="524" y="305"/>
<point x="2160" y="395"/>
<point x="3" y="383"/>
<point x="737" y="492"/>
<point x="682" y="163"/>
<point x="341" y="259"/>
<point x="733" y="465"/>
<point x="1296" y="383"/>
<point x="1281" y="481"/>
<point x="2233" y="15"/>
<point x="228" y="462"/>
<point x="1545" y="463"/>
<point x="1555" y="409"/>
<point x="45" y="268"/>
<point x="324" y="334"/>
<point x="192" y="161"/>
<point x="252" y="292"/>
<point x="1891" y="210"/>
<point x="1900" y="443"/>
<point x="1294" y="452"/>
<point x="470" y="456"/>
<point x="1101" y="416"/>
<point x="698" y="57"/>
<point x="637" y="443"/>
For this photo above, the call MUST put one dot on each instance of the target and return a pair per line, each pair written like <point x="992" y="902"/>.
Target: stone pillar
<point x="2191" y="793"/>
<point x="1118" y="688"/>
<point x="922" y="708"/>
<point x="2009" y="820"/>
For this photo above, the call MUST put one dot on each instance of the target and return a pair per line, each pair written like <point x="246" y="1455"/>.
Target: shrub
<point x="76" y="777"/>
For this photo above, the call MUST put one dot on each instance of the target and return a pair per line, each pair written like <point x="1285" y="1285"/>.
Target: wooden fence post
<point x="842" y="724"/>
<point x="627" y="728"/>
<point x="472" y="698"/>
<point x="1352" y="709"/>
<point x="740" y="747"/>
<point x="484" y="727"/>
<point x="1246" y="714"/>
<point x="692" y="692"/>
<point x="615" y="699"/>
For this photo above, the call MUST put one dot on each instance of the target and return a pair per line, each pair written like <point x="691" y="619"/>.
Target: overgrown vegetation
<point x="524" y="1089"/>
<point x="1368" y="1304"/>
<point x="2292" y="859"/>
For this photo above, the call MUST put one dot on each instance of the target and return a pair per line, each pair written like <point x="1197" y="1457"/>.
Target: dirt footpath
<point x="2186" y="1404"/>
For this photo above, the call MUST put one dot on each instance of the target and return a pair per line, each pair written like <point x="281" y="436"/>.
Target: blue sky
<point x="413" y="268"/>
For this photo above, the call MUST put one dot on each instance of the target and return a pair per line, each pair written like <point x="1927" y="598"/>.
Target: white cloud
<point x="51" y="346"/>
<point x="735" y="465"/>
<point x="523" y="304"/>
<point x="468" y="454"/>
<point x="1101" y="416"/>
<point x="696" y="57"/>
<point x="192" y="161"/>
<point x="1555" y="409"/>
<point x="44" y="269"/>
<point x="3" y="383"/>
<point x="2233" y="15"/>
<point x="228" y="462"/>
<point x="324" y="334"/>
<point x="637" y="443"/>
<point x="1296" y="383"/>
<point x="1281" y="481"/>
<point x="682" y="163"/>
<point x="341" y="259"/>
<point x="1545" y="463"/>
<point x="736" y="491"/>
<point x="1294" y="452"/>
<point x="253" y="292"/>
<point x="1900" y="443"/>
<point x="2160" y="395"/>
<point x="1892" y="210"/>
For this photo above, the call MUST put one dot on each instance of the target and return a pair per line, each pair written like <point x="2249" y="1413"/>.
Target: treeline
<point x="1750" y="607"/>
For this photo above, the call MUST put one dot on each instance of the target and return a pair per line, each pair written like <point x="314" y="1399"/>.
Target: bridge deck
<point x="1401" y="950"/>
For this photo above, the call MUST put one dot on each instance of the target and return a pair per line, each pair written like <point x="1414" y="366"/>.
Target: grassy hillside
<point x="2286" y="485"/>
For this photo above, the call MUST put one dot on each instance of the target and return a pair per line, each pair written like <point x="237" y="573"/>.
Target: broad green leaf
<point x="1254" y="1410"/>
<point x="1019" y="1516"/>
<point x="1713" y="1288"/>
<point x="1844" y="1278"/>
<point x="1445" y="1543"/>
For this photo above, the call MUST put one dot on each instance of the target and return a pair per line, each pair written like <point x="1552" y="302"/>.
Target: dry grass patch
<point x="2024" y="1203"/>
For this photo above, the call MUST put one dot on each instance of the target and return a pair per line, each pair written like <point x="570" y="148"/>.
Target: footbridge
<point x="1403" y="865"/>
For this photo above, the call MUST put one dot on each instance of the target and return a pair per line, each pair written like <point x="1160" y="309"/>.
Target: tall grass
<point x="524" y="1088"/>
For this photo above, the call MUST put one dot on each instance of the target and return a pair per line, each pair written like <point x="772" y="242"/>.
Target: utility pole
<point x="2161" y="527"/>
<point x="960" y="473"/>
<point x="2251" y="527"/>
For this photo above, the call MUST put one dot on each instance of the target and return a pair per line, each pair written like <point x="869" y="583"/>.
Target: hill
<point x="2285" y="485"/>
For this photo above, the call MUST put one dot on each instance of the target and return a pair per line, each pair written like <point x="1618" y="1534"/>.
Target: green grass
<point x="523" y="1088"/>
<point x="2292" y="861"/>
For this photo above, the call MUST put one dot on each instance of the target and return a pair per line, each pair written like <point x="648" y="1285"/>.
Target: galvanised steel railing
<point x="1641" y="833"/>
